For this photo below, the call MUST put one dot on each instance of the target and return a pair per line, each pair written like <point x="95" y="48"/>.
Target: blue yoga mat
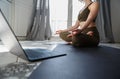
<point x="81" y="63"/>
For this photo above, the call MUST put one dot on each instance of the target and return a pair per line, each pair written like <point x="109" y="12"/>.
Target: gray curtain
<point x="104" y="22"/>
<point x="69" y="18"/>
<point x="40" y="27"/>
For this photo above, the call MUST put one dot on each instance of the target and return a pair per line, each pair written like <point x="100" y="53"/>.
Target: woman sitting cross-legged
<point x="84" y="31"/>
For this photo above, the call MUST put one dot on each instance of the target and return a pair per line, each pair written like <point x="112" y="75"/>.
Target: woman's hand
<point x="76" y="31"/>
<point x="70" y="35"/>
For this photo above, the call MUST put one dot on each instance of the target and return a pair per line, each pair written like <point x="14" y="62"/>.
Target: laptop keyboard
<point x="37" y="53"/>
<point x="40" y="54"/>
<point x="16" y="70"/>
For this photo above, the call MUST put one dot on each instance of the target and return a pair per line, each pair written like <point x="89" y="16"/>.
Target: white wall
<point x="22" y="16"/>
<point x="115" y="16"/>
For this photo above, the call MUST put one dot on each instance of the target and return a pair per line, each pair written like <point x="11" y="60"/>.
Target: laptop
<point x="10" y="40"/>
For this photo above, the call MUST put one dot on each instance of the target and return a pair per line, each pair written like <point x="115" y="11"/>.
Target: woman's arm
<point x="94" y="8"/>
<point x="75" y="26"/>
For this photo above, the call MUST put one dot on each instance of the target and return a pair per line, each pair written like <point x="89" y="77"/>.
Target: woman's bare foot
<point x="90" y="33"/>
<point x="69" y="43"/>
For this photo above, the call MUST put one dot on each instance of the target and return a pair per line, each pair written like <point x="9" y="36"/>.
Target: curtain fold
<point x="104" y="22"/>
<point x="40" y="28"/>
<point x="70" y="11"/>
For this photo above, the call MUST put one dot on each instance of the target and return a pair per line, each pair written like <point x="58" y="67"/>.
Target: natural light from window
<point x="59" y="13"/>
<point x="77" y="6"/>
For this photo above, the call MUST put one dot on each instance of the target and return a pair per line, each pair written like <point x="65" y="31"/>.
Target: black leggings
<point x="82" y="39"/>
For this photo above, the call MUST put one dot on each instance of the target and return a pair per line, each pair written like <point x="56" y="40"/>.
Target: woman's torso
<point x="82" y="17"/>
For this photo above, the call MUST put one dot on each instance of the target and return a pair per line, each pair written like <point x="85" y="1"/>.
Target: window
<point x="59" y="13"/>
<point x="77" y="6"/>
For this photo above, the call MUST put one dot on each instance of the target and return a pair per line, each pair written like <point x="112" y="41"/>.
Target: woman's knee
<point x="63" y="36"/>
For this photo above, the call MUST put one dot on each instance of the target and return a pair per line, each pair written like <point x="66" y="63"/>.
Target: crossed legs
<point x="80" y="39"/>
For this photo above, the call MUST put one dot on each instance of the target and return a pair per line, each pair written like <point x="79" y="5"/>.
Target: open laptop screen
<point x="9" y="39"/>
